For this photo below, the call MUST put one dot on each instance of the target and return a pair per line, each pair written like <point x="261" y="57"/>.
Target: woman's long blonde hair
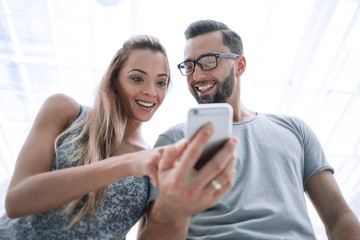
<point x="103" y="128"/>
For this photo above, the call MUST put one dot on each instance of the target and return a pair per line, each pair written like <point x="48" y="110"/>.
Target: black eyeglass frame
<point x="216" y="55"/>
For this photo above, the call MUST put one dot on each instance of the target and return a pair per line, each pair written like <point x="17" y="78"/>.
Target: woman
<point x="92" y="184"/>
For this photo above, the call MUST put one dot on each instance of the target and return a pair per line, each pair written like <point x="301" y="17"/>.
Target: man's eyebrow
<point x="202" y="55"/>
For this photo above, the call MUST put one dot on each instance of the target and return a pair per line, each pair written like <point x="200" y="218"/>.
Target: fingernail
<point x="180" y="143"/>
<point x="209" y="129"/>
<point x="235" y="140"/>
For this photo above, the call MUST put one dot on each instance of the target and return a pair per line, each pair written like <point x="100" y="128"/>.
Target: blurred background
<point x="303" y="59"/>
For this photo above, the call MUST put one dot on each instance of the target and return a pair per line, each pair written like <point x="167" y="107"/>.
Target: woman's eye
<point x="162" y="83"/>
<point x="137" y="79"/>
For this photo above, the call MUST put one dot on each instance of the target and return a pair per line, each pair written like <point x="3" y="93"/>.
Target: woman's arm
<point x="34" y="188"/>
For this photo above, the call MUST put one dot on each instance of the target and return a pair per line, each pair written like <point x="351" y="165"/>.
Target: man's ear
<point x="241" y="66"/>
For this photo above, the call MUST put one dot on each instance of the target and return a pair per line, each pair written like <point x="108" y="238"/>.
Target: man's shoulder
<point x="289" y="121"/>
<point x="177" y="127"/>
<point x="282" y="117"/>
<point x="176" y="130"/>
<point x="171" y="135"/>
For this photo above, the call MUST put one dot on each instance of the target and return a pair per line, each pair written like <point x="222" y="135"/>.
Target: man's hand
<point x="185" y="191"/>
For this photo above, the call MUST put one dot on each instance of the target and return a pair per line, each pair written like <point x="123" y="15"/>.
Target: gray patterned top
<point x="123" y="207"/>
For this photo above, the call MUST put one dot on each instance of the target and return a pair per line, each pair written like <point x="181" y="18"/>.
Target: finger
<point x="226" y="176"/>
<point x="160" y="149"/>
<point x="195" y="147"/>
<point x="214" y="194"/>
<point x="217" y="194"/>
<point x="171" y="154"/>
<point x="222" y="159"/>
<point x="153" y="165"/>
<point x="223" y="183"/>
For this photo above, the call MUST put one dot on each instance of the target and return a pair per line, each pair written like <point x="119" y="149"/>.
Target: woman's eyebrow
<point x="163" y="75"/>
<point x="137" y="70"/>
<point x="144" y="72"/>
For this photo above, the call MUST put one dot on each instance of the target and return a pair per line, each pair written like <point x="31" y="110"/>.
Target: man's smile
<point x="204" y="88"/>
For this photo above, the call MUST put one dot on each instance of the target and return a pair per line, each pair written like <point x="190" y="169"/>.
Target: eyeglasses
<point x="206" y="63"/>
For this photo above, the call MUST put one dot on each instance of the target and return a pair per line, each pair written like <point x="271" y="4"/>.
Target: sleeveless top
<point x="123" y="207"/>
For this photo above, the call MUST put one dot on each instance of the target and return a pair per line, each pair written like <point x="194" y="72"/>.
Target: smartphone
<point x="220" y="116"/>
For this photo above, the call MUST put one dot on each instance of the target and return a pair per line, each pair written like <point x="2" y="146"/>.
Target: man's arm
<point x="159" y="225"/>
<point x="339" y="220"/>
<point x="185" y="191"/>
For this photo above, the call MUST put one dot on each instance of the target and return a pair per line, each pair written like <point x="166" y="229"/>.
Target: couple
<point x="95" y="182"/>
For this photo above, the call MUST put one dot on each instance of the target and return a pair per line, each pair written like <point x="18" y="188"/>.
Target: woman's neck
<point x="133" y="140"/>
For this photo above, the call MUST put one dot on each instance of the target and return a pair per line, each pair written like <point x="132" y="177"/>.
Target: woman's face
<point x="143" y="83"/>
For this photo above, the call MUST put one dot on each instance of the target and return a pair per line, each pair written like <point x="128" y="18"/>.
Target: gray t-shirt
<point x="123" y="207"/>
<point x="276" y="156"/>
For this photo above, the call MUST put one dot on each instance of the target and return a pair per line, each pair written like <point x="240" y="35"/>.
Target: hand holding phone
<point x="220" y="116"/>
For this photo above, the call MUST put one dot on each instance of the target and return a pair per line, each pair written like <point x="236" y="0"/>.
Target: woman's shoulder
<point x="62" y="108"/>
<point x="63" y="102"/>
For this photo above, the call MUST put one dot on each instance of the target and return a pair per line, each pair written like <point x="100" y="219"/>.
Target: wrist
<point x="167" y="218"/>
<point x="121" y="166"/>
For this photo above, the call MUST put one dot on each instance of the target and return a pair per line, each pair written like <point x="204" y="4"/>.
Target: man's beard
<point x="224" y="91"/>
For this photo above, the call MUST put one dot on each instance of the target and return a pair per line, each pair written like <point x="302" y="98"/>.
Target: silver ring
<point x="216" y="184"/>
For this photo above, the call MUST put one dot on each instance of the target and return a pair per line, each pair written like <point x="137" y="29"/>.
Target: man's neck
<point x="242" y="114"/>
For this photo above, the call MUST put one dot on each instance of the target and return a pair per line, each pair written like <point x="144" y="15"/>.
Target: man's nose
<point x="198" y="74"/>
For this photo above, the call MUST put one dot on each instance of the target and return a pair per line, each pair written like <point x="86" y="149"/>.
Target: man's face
<point x="216" y="85"/>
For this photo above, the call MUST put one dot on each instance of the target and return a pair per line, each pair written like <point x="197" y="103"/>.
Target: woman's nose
<point x="150" y="91"/>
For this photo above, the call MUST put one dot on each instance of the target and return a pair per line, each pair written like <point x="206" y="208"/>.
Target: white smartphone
<point x="220" y="116"/>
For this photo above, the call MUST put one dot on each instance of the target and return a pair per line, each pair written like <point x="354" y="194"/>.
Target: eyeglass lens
<point x="205" y="63"/>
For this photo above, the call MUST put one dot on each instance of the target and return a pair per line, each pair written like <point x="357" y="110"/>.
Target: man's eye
<point x="188" y="68"/>
<point x="207" y="60"/>
<point x="188" y="65"/>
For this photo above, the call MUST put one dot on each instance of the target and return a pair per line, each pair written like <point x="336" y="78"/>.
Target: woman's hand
<point x="146" y="162"/>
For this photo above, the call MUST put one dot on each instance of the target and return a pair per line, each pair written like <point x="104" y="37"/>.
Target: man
<point x="279" y="158"/>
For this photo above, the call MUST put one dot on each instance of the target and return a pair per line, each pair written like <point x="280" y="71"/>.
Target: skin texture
<point x="169" y="216"/>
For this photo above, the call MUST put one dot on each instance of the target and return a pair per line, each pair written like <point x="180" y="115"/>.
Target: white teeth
<point x="204" y="88"/>
<point x="145" y="104"/>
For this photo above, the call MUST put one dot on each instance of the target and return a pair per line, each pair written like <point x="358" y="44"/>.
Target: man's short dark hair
<point x="230" y="38"/>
